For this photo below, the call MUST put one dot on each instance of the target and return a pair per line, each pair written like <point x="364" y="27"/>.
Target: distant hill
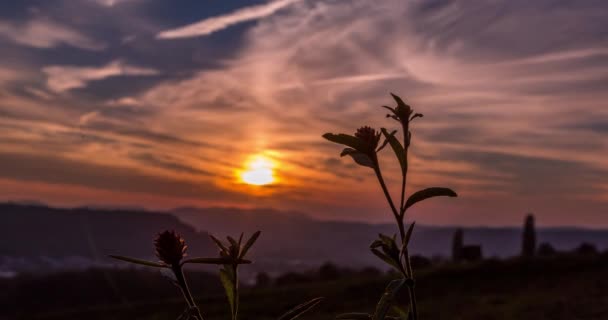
<point x="83" y="235"/>
<point x="299" y="239"/>
<point x="36" y="236"/>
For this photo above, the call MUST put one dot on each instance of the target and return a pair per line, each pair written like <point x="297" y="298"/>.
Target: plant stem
<point x="410" y="287"/>
<point x="404" y="177"/>
<point x="236" y="291"/>
<point x="181" y="280"/>
<point x="390" y="201"/>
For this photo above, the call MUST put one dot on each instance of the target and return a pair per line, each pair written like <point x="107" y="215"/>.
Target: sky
<point x="160" y="104"/>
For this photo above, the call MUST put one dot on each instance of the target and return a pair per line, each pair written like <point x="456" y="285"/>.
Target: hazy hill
<point x="299" y="239"/>
<point x="82" y="235"/>
<point x="36" y="235"/>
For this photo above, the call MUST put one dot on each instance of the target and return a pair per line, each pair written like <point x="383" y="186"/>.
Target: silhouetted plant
<point x="529" y="237"/>
<point x="171" y="251"/>
<point x="457" y="244"/>
<point x="364" y="147"/>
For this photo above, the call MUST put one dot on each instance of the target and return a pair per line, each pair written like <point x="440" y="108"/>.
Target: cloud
<point x="213" y="24"/>
<point x="489" y="81"/>
<point x="512" y="92"/>
<point x="109" y="3"/>
<point x="62" y="78"/>
<point x="44" y="33"/>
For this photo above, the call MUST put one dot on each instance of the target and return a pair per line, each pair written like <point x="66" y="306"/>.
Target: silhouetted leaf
<point x="300" y="309"/>
<point x="387" y="299"/>
<point x="400" y="101"/>
<point x="232" y="241"/>
<point x="417" y="115"/>
<point x="408" y="235"/>
<point x="141" y="262"/>
<point x="386" y="259"/>
<point x="250" y="243"/>
<point x="345" y="139"/>
<point x="354" y="316"/>
<point x="376" y="244"/>
<point x="225" y="260"/>
<point x="429" y="193"/>
<point x="389" y="108"/>
<point x="403" y="315"/>
<point x="169" y="275"/>
<point x="228" y="285"/>
<point x="397" y="149"/>
<point x="359" y="157"/>
<point x="219" y="243"/>
<point x="386" y="141"/>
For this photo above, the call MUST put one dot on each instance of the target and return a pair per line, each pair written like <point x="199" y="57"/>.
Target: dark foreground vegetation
<point x="564" y="286"/>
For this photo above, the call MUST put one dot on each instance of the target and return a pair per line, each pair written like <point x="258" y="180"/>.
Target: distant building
<point x="460" y="252"/>
<point x="457" y="243"/>
<point x="471" y="253"/>
<point x="528" y="247"/>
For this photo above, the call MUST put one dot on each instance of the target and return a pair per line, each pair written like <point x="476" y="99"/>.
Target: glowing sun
<point x="258" y="171"/>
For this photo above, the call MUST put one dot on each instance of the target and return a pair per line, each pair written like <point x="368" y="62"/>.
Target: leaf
<point x="400" y="101"/>
<point x="299" y="310"/>
<point x="408" y="235"/>
<point x="142" y="262"/>
<point x="250" y="243"/>
<point x="385" y="239"/>
<point x="389" y="108"/>
<point x="169" y="275"/>
<point x="417" y="115"/>
<point x="232" y="241"/>
<point x="386" y="259"/>
<point x="387" y="299"/>
<point x="345" y="139"/>
<point x="386" y="141"/>
<point x="429" y="193"/>
<point x="217" y="261"/>
<point x="359" y="157"/>
<point x="228" y="285"/>
<point x="397" y="149"/>
<point x="354" y="316"/>
<point x="403" y="315"/>
<point x="219" y="243"/>
<point x="376" y="244"/>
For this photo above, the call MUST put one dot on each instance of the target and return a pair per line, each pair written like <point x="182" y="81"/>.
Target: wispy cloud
<point x="62" y="78"/>
<point x="325" y="65"/>
<point x="513" y="94"/>
<point x="44" y="33"/>
<point x="213" y="24"/>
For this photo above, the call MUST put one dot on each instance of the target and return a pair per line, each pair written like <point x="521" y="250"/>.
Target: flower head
<point x="369" y="138"/>
<point x="170" y="247"/>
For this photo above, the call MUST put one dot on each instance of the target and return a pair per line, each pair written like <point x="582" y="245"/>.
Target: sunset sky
<point x="160" y="104"/>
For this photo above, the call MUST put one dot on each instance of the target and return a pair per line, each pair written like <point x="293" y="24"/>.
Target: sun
<point x="259" y="171"/>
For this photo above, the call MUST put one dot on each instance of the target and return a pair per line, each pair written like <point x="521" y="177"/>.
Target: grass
<point x="564" y="287"/>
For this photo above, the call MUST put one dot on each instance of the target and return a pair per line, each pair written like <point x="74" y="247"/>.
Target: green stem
<point x="236" y="291"/>
<point x="390" y="200"/>
<point x="183" y="285"/>
<point x="410" y="287"/>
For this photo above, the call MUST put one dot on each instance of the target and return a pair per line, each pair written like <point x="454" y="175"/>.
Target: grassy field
<point x="566" y="287"/>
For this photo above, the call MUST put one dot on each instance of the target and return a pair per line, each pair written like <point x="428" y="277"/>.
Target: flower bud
<point x="170" y="247"/>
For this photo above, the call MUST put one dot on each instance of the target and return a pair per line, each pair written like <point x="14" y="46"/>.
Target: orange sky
<point x="136" y="104"/>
